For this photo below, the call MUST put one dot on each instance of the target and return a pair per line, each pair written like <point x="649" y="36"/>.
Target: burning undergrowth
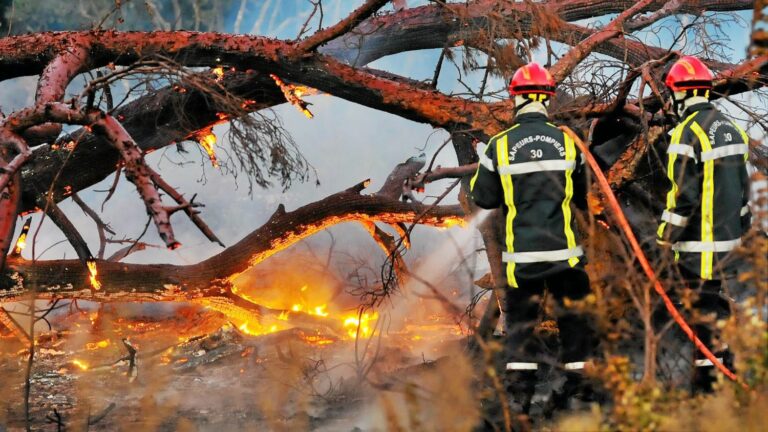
<point x="305" y="358"/>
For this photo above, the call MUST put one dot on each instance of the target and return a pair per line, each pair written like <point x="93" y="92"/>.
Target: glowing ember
<point x="293" y="95"/>
<point x="94" y="272"/>
<point x="219" y="72"/>
<point x="21" y="243"/>
<point x="207" y="140"/>
<point x="248" y="104"/>
<point x="81" y="364"/>
<point x="317" y="339"/>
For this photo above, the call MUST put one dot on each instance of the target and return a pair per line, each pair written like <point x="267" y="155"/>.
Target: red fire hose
<point x="624" y="225"/>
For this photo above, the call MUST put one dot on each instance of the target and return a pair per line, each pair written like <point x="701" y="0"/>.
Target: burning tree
<point x="183" y="83"/>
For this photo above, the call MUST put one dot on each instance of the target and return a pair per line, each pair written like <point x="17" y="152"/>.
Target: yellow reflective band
<point x="502" y="155"/>
<point x="707" y="202"/>
<point x="477" y="173"/>
<point x="474" y="179"/>
<point x="672" y="194"/>
<point x="502" y="133"/>
<point x="570" y="155"/>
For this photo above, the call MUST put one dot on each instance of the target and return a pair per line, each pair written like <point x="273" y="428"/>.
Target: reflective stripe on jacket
<point x="706" y="209"/>
<point x="535" y="173"/>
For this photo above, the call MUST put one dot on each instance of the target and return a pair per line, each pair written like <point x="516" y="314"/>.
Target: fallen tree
<point x="251" y="73"/>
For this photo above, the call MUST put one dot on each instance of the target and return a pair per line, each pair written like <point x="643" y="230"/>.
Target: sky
<point x="345" y="143"/>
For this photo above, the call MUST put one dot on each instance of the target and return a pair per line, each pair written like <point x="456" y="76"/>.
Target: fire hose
<point x="621" y="219"/>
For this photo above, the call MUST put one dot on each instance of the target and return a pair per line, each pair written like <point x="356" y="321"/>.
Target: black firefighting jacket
<point x="535" y="172"/>
<point x="706" y="205"/>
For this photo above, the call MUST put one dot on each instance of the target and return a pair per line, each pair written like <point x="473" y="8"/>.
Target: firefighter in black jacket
<point x="535" y="173"/>
<point x="706" y="205"/>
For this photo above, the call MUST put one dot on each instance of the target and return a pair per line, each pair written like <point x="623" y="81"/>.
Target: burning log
<point x="210" y="278"/>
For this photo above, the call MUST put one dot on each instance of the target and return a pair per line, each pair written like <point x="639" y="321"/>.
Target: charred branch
<point x="121" y="281"/>
<point x="73" y="236"/>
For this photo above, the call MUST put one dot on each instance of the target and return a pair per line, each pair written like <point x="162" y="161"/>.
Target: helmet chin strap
<point x="532" y="102"/>
<point x="684" y="99"/>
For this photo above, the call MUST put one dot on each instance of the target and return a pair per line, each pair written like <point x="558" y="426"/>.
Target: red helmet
<point x="532" y="78"/>
<point x="688" y="73"/>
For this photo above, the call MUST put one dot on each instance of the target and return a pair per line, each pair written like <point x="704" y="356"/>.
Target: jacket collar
<point x="531" y="117"/>
<point x="704" y="106"/>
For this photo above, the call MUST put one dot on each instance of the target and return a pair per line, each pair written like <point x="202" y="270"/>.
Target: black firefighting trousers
<point x="710" y="305"/>
<point x="528" y="350"/>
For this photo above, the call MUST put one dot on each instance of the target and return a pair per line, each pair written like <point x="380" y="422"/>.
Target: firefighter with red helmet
<point x="535" y="173"/>
<point x="706" y="210"/>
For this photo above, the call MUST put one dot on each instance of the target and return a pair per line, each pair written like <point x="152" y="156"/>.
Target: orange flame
<point x="207" y="140"/>
<point x="81" y="364"/>
<point x="91" y="346"/>
<point x="360" y="324"/>
<point x="258" y="330"/>
<point x="94" y="272"/>
<point x="219" y="72"/>
<point x="293" y="95"/>
<point x="21" y="242"/>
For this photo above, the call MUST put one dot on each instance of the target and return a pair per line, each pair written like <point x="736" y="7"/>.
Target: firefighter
<point x="535" y="173"/>
<point x="706" y="210"/>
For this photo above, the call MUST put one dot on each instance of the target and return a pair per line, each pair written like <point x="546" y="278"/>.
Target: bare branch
<point x="323" y="36"/>
<point x="569" y="61"/>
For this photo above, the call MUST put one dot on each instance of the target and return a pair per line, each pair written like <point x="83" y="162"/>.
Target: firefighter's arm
<point x="684" y="191"/>
<point x="746" y="214"/>
<point x="485" y="187"/>
<point x="746" y="189"/>
<point x="580" y="182"/>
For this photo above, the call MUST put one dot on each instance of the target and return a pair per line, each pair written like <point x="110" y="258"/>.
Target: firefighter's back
<point x="538" y="167"/>
<point x="722" y="150"/>
<point x="714" y="188"/>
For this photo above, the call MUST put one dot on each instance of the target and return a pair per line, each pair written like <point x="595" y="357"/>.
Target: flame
<point x="81" y="364"/>
<point x="21" y="242"/>
<point x="453" y="221"/>
<point x="94" y="272"/>
<point x="258" y="330"/>
<point x="320" y="311"/>
<point x="219" y="72"/>
<point x="293" y="95"/>
<point x="91" y="346"/>
<point x="360" y="325"/>
<point x="283" y="316"/>
<point x="207" y="140"/>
